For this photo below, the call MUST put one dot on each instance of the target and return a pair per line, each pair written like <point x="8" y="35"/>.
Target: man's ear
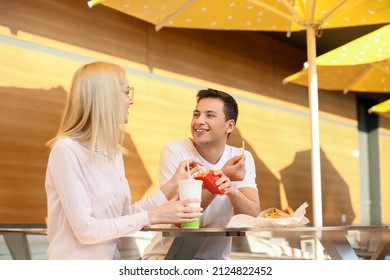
<point x="231" y="125"/>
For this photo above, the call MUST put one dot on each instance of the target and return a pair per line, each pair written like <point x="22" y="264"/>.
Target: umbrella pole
<point x="315" y="136"/>
<point x="315" y="131"/>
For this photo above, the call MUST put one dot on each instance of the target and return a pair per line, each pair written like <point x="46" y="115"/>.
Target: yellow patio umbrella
<point x="361" y="65"/>
<point x="382" y="109"/>
<point x="265" y="15"/>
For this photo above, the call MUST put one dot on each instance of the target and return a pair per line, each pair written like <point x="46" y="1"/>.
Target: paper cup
<point x="191" y="189"/>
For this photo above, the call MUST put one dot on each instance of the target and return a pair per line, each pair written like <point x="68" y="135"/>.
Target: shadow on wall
<point x="136" y="173"/>
<point x="196" y="53"/>
<point x="28" y="119"/>
<point x="336" y="201"/>
<point x="267" y="183"/>
<point x="109" y="31"/>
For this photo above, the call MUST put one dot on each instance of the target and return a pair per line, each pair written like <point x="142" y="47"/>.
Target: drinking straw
<point x="188" y="169"/>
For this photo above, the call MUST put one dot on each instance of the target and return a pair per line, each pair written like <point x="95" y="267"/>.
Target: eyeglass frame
<point x="130" y="92"/>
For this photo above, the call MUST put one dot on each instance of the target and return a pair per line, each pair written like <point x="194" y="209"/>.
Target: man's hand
<point x="234" y="168"/>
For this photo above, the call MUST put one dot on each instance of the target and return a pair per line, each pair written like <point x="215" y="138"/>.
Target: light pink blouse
<point x="89" y="203"/>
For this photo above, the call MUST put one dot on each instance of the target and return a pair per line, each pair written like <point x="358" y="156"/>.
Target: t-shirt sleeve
<point x="250" y="176"/>
<point x="169" y="161"/>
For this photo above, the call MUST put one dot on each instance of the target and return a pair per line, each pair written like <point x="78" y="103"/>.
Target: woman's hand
<point x="175" y="212"/>
<point x="182" y="170"/>
<point x="170" y="188"/>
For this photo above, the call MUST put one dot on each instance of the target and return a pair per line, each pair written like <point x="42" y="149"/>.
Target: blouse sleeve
<point x="70" y="185"/>
<point x="150" y="202"/>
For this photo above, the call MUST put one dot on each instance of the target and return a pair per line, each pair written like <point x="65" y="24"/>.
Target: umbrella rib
<point x="336" y="9"/>
<point x="292" y="11"/>
<point x="289" y="22"/>
<point x="272" y="9"/>
<point x="93" y="3"/>
<point x="303" y="10"/>
<point x="358" y="78"/>
<point x="177" y="12"/>
<point x="328" y="14"/>
<point x="381" y="68"/>
<point x="313" y="10"/>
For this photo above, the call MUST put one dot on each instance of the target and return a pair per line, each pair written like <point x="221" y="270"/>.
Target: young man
<point x="214" y="118"/>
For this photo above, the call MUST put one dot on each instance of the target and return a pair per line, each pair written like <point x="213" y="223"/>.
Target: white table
<point x="334" y="239"/>
<point x="17" y="242"/>
<point x="187" y="241"/>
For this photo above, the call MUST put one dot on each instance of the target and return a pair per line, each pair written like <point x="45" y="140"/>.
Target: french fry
<point x="243" y="147"/>
<point x="275" y="213"/>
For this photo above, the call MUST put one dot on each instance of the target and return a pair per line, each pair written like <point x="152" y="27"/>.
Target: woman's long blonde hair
<point x="94" y="113"/>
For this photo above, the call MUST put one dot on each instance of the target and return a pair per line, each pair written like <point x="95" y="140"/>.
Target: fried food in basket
<point x="209" y="180"/>
<point x="275" y="213"/>
<point x="200" y="174"/>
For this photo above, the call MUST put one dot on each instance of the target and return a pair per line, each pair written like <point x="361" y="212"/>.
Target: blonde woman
<point x="88" y="196"/>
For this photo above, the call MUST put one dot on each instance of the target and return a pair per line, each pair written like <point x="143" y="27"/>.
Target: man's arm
<point x="245" y="201"/>
<point x="207" y="198"/>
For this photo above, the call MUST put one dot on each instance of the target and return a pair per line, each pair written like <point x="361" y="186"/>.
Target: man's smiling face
<point x="209" y="125"/>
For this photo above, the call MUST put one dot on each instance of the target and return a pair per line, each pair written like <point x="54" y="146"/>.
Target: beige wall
<point x="40" y="48"/>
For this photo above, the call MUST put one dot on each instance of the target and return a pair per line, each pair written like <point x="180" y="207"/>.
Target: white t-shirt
<point x="217" y="214"/>
<point x="89" y="203"/>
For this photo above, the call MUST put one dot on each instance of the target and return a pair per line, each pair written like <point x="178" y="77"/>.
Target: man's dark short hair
<point x="230" y="107"/>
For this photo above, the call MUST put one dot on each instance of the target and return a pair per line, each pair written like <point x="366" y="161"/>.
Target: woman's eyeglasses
<point x="130" y="92"/>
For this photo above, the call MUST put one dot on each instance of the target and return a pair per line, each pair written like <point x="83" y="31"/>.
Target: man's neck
<point x="211" y="153"/>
